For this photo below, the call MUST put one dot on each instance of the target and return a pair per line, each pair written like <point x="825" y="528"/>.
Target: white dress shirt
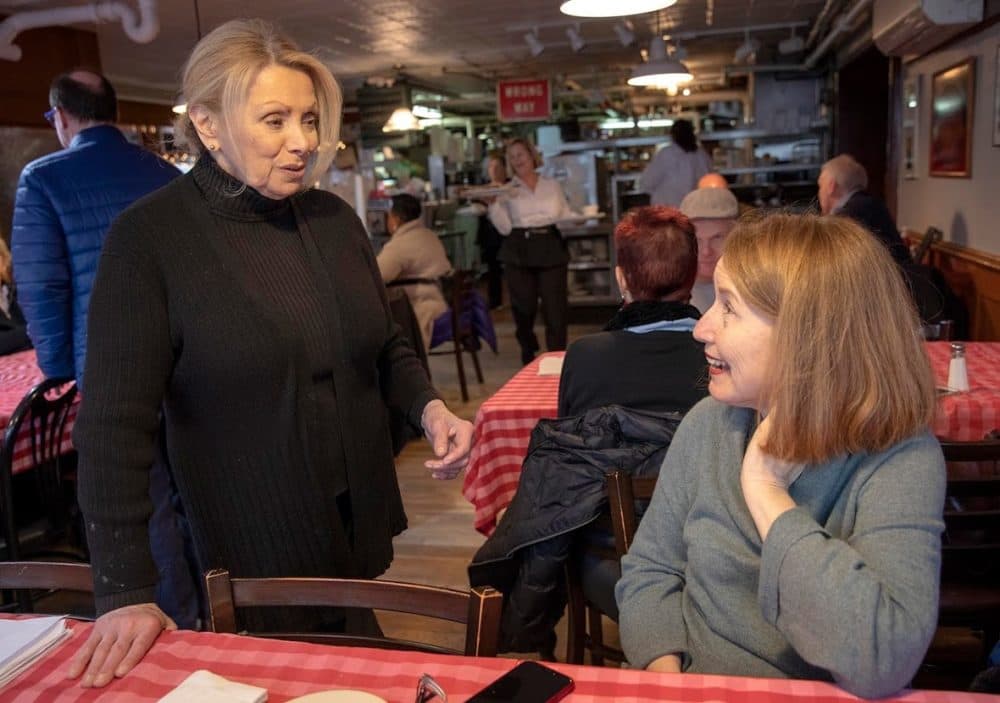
<point x="523" y="207"/>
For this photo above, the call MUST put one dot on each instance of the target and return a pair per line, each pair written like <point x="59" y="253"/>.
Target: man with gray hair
<point x="842" y="183"/>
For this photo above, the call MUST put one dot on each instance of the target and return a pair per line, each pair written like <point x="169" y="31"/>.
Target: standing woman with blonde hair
<point x="795" y="530"/>
<point x="533" y="252"/>
<point x="240" y="334"/>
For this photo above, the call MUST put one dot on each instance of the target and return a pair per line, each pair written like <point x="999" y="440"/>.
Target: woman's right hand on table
<point x="667" y="664"/>
<point x="119" y="640"/>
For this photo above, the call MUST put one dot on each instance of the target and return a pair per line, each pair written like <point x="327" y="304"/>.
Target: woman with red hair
<point x="646" y="358"/>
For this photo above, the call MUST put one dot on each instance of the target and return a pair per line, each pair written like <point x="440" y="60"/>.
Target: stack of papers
<point x="22" y="642"/>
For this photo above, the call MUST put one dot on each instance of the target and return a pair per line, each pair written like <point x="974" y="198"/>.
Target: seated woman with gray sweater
<point x="795" y="530"/>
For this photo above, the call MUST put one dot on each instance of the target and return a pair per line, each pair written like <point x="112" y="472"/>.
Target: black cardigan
<point x="177" y="328"/>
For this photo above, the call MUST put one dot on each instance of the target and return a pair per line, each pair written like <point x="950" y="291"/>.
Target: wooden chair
<point x="43" y="412"/>
<point x="22" y="576"/>
<point x="459" y="289"/>
<point x="970" y="550"/>
<point x="585" y="629"/>
<point x="478" y="609"/>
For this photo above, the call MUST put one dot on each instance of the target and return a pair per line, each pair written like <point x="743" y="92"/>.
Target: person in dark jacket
<point x="560" y="493"/>
<point x="646" y="358"/>
<point x="239" y="330"/>
<point x="64" y="206"/>
<point x="842" y="182"/>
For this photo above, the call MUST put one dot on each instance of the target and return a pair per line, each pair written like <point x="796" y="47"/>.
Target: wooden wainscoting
<point x="975" y="277"/>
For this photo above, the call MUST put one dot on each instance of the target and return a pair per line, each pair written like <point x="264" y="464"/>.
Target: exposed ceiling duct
<point x="905" y="27"/>
<point x="141" y="27"/>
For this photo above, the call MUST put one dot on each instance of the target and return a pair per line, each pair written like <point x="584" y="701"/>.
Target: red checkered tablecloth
<point x="966" y="417"/>
<point x="502" y="429"/>
<point x="504" y="422"/>
<point x="19" y="373"/>
<point x="291" y="669"/>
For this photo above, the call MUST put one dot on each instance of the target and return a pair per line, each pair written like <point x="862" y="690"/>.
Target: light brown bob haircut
<point x="849" y="370"/>
<point x="225" y="63"/>
<point x="535" y="156"/>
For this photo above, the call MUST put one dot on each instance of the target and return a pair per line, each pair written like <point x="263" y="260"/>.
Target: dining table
<point x="288" y="670"/>
<point x="19" y="373"/>
<point x="503" y="423"/>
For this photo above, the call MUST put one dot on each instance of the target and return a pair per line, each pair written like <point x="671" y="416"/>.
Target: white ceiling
<point x="462" y="46"/>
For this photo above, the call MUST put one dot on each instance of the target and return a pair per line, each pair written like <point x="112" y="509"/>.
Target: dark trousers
<point x="525" y="284"/>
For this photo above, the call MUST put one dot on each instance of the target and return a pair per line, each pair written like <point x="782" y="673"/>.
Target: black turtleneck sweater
<point x="658" y="371"/>
<point x="259" y="331"/>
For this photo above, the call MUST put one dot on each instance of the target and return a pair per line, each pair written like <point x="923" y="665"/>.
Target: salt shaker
<point x="958" y="375"/>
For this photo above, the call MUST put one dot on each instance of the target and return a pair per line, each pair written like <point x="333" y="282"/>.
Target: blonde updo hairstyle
<point x="849" y="371"/>
<point x="222" y="68"/>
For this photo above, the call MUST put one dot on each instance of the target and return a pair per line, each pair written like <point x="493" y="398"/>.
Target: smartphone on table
<point x="528" y="682"/>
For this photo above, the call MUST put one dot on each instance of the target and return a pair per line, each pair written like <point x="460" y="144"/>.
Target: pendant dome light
<point x="603" y="8"/>
<point x="660" y="69"/>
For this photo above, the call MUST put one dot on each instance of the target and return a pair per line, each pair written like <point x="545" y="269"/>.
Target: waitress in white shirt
<point x="533" y="252"/>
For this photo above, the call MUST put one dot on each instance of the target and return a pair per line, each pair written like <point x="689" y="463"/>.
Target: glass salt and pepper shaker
<point x="958" y="375"/>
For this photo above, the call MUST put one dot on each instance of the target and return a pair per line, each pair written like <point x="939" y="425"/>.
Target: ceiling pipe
<point x="841" y="24"/>
<point x="820" y="23"/>
<point x="141" y="27"/>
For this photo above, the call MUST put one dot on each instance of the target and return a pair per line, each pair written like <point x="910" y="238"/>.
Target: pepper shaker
<point x="958" y="375"/>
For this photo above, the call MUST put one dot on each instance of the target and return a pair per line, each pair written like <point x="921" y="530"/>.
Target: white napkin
<point x="205" y="687"/>
<point x="23" y="642"/>
<point x="550" y="366"/>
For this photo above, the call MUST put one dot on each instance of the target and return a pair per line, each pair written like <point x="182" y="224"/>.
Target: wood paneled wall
<point x="46" y="52"/>
<point x="975" y="277"/>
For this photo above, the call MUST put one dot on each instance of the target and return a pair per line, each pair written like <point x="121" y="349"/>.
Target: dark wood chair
<point x="25" y="576"/>
<point x="459" y="289"/>
<point x="478" y="609"/>
<point x="970" y="548"/>
<point x="585" y="631"/>
<point x="42" y="414"/>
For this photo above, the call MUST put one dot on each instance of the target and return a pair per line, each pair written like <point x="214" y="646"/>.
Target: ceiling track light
<point x="792" y="45"/>
<point x="625" y="32"/>
<point x="603" y="8"/>
<point x="576" y="41"/>
<point x="535" y="44"/>
<point x="402" y="119"/>
<point x="747" y="51"/>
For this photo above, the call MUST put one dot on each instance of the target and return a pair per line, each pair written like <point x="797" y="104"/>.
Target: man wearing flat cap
<point x="713" y="212"/>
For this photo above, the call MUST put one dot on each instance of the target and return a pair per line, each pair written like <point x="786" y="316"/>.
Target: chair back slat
<point x="15" y="575"/>
<point x="478" y="610"/>
<point x="623" y="492"/>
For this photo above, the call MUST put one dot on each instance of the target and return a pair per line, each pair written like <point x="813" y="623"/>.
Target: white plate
<point x="339" y="696"/>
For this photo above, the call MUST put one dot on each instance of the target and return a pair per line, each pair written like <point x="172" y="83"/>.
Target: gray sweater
<point x="844" y="589"/>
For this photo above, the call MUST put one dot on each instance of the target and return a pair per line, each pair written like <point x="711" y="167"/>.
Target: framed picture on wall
<point x="952" y="105"/>
<point x="996" y="100"/>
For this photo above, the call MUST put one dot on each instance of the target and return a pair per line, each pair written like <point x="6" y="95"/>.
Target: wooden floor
<point x="440" y="541"/>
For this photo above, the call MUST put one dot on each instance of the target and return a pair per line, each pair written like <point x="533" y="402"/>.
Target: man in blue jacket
<point x="64" y="206"/>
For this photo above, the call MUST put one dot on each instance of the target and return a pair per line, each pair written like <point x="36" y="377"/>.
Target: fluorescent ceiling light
<point x="401" y="120"/>
<point x="641" y="124"/>
<point x="660" y="70"/>
<point x="426" y="113"/>
<point x="534" y="43"/>
<point x="576" y="42"/>
<point x="603" y="8"/>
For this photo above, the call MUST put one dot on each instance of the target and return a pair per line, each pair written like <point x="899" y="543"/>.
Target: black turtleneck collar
<point x="229" y="197"/>
<point x="644" y="312"/>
